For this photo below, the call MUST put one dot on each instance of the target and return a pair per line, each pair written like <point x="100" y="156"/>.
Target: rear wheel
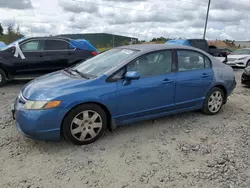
<point x="214" y="101"/>
<point x="2" y="78"/>
<point x="84" y="124"/>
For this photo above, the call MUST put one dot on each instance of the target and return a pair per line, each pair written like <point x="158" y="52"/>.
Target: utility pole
<point x="205" y="29"/>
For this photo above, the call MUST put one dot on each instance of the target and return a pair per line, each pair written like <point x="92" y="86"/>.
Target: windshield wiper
<point x="68" y="70"/>
<point x="87" y="76"/>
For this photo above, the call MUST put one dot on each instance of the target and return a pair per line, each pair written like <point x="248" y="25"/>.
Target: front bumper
<point x="236" y="63"/>
<point x="245" y="79"/>
<point x="38" y="124"/>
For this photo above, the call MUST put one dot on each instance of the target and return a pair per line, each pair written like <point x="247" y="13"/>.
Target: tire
<point x="212" y="106"/>
<point x="84" y="124"/>
<point x="3" y="78"/>
<point x="248" y="63"/>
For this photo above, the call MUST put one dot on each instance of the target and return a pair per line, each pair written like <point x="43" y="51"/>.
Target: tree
<point x="18" y="30"/>
<point x="1" y="30"/>
<point x="10" y="30"/>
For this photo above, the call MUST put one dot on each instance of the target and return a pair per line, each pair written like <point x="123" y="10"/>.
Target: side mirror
<point x="12" y="49"/>
<point x="132" y="75"/>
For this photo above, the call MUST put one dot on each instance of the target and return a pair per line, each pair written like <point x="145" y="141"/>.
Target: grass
<point x="102" y="49"/>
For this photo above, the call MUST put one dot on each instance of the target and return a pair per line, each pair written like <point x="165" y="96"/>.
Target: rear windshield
<point x="103" y="62"/>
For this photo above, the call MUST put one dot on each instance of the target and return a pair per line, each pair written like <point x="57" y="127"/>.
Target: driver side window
<point x="34" y="45"/>
<point x="152" y="64"/>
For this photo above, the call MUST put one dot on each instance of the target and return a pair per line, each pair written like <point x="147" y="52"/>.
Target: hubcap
<point x="215" y="102"/>
<point x="1" y="78"/>
<point x="86" y="125"/>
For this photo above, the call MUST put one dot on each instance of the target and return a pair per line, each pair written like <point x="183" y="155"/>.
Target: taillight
<point x="94" y="53"/>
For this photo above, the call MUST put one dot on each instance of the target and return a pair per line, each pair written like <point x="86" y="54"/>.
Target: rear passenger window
<point x="56" y="45"/>
<point x="190" y="60"/>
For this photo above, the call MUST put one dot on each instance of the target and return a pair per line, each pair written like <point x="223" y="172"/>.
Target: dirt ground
<point x="186" y="150"/>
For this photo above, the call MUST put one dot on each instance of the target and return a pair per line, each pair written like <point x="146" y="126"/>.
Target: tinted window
<point x="34" y="45"/>
<point x="190" y="60"/>
<point x="152" y="64"/>
<point x="56" y="45"/>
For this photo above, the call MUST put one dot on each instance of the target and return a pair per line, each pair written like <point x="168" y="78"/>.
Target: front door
<point x="193" y="78"/>
<point x="34" y="58"/>
<point x="153" y="93"/>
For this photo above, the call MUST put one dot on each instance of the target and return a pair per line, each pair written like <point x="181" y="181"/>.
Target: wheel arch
<point x="104" y="107"/>
<point x="4" y="69"/>
<point x="223" y="88"/>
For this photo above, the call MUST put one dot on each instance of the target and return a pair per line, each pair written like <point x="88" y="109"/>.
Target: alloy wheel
<point x="215" y="101"/>
<point x="86" y="125"/>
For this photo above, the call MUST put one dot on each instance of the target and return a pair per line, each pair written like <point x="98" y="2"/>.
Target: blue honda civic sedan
<point x="122" y="86"/>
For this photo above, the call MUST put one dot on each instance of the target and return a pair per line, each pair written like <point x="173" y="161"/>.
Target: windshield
<point x="101" y="63"/>
<point x="11" y="44"/>
<point x="241" y="52"/>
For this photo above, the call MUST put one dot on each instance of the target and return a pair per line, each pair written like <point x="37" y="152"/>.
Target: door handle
<point x="205" y="75"/>
<point x="41" y="55"/>
<point x="166" y="81"/>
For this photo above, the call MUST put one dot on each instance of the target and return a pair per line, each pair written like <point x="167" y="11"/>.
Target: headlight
<point x="37" y="105"/>
<point x="242" y="58"/>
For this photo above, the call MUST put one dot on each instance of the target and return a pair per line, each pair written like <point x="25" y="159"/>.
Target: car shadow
<point x="17" y="82"/>
<point x="172" y="123"/>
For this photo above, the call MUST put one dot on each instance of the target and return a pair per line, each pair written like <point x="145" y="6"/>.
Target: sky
<point x="144" y="19"/>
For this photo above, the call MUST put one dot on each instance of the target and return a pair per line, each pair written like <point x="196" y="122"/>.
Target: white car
<point x="239" y="58"/>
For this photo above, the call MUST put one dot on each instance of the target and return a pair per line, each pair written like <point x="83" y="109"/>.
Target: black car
<point x="32" y="57"/>
<point x="245" y="77"/>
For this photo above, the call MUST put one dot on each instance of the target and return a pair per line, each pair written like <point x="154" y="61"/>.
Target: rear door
<point x="33" y="51"/>
<point x="193" y="78"/>
<point x="57" y="54"/>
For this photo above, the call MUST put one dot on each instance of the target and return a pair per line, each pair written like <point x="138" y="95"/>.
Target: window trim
<point x="204" y="56"/>
<point x="173" y="66"/>
<point x="27" y="41"/>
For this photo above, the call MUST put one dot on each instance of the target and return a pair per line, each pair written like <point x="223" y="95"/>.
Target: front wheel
<point x="248" y="63"/>
<point x="214" y="101"/>
<point x="84" y="124"/>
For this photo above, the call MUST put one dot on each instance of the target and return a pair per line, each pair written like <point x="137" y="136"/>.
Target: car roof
<point x="154" y="47"/>
<point x="50" y="37"/>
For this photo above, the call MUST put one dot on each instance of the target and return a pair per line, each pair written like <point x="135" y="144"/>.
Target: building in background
<point x="104" y="40"/>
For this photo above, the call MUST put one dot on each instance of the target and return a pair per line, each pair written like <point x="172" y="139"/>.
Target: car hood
<point x="52" y="85"/>
<point x="237" y="56"/>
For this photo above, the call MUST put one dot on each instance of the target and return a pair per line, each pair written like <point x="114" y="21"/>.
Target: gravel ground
<point x="186" y="150"/>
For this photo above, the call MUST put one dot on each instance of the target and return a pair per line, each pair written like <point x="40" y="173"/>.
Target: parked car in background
<point x="121" y="86"/>
<point x="245" y="77"/>
<point x="239" y="58"/>
<point x="202" y="44"/>
<point x="32" y="57"/>
<point x="2" y="44"/>
<point x="226" y="50"/>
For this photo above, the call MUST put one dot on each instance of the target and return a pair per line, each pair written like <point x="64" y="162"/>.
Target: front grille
<point x="231" y="59"/>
